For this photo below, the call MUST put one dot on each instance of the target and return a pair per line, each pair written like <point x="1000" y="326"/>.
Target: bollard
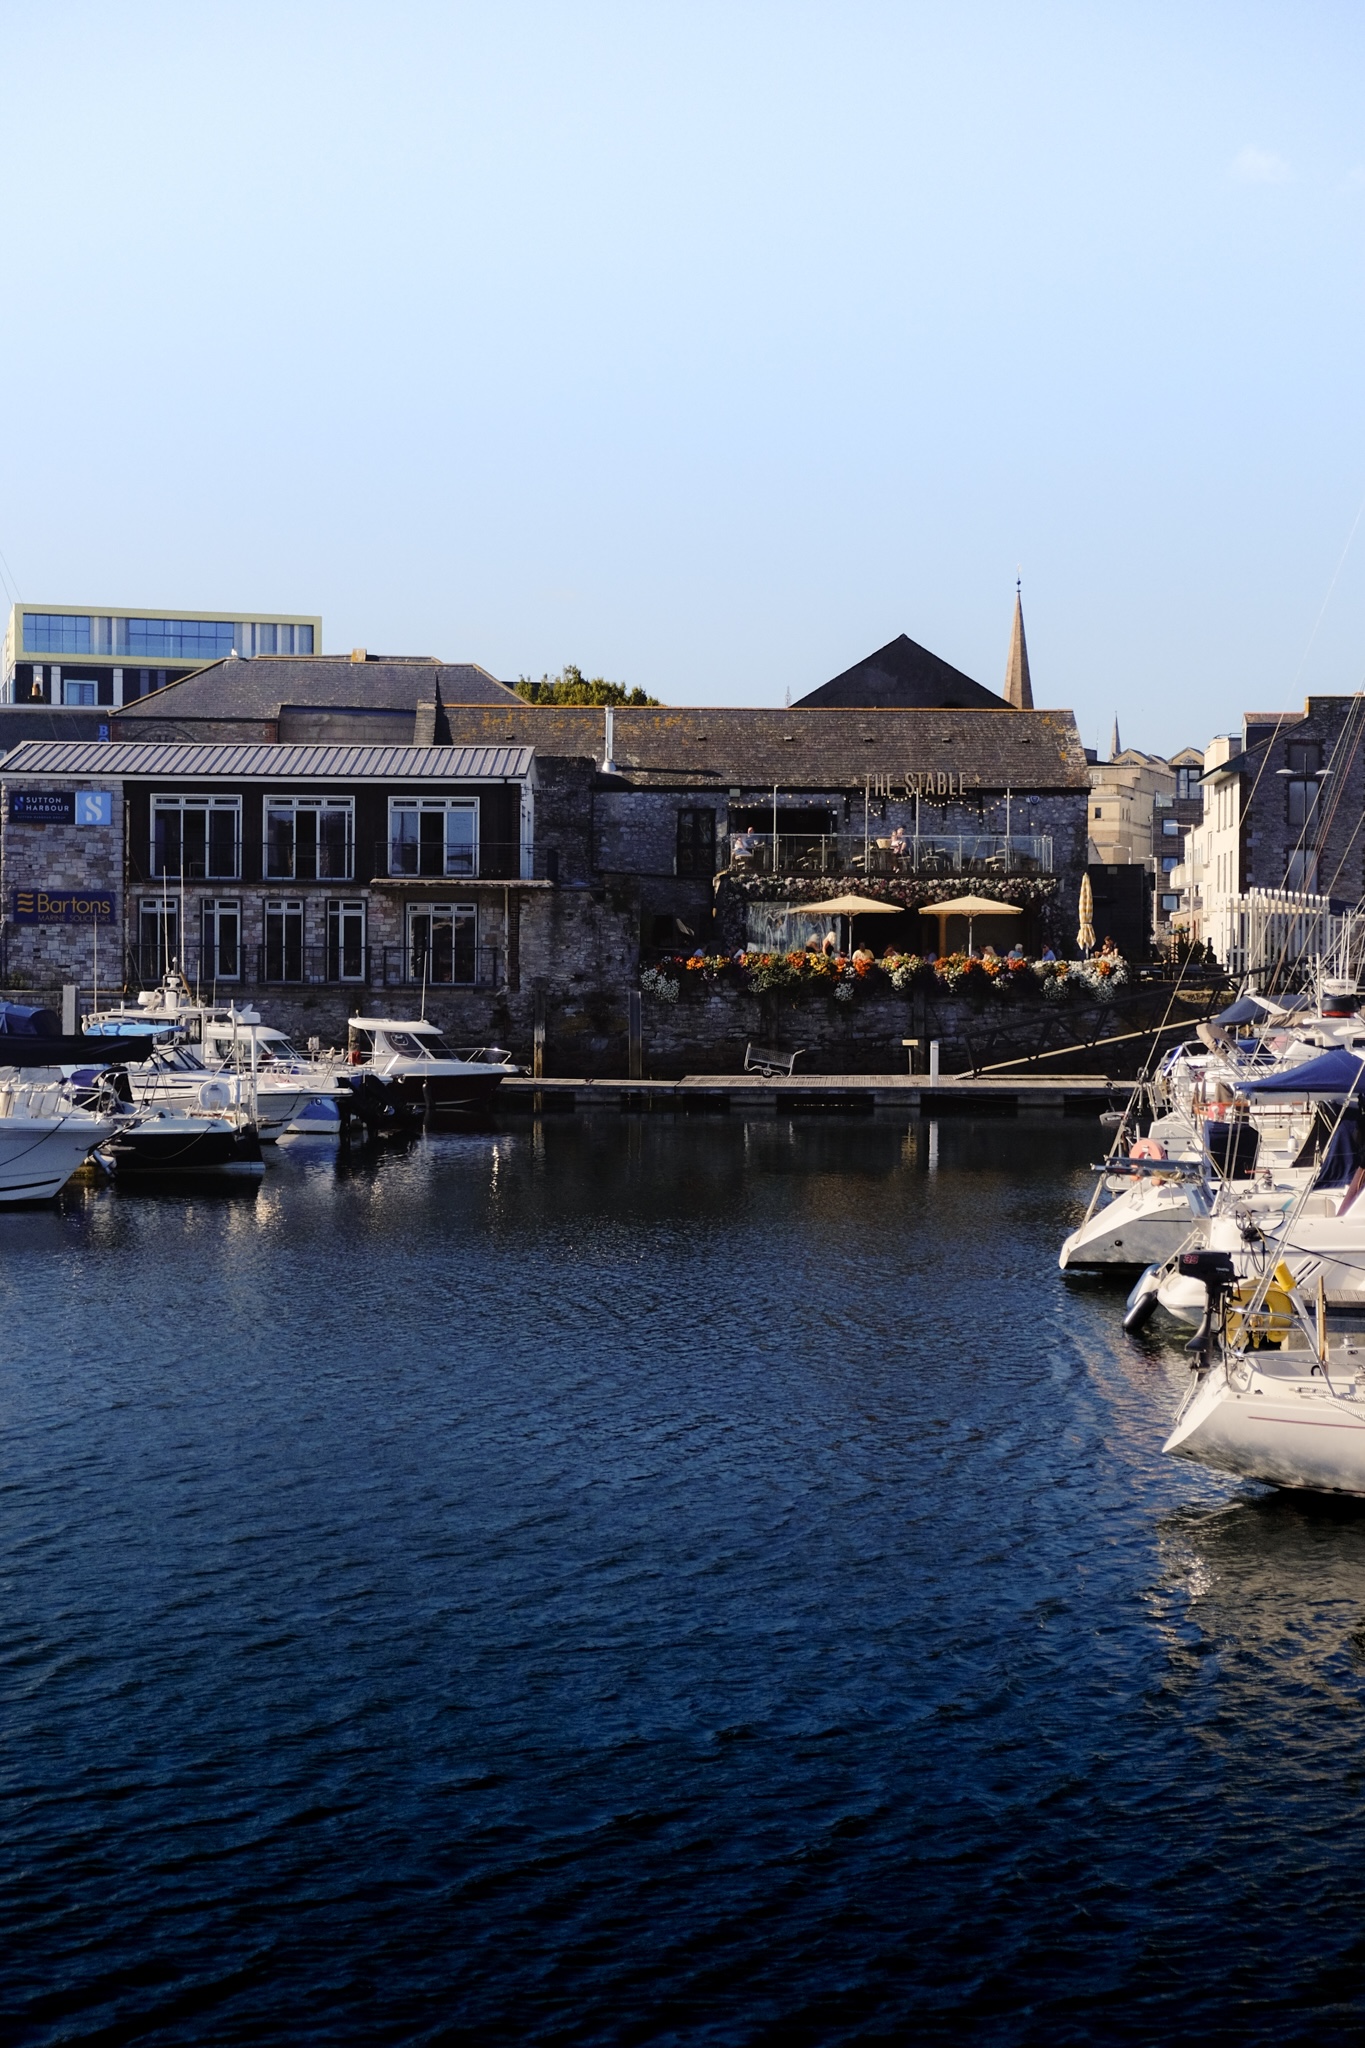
<point x="933" y="1062"/>
<point x="538" y="1035"/>
<point x="635" y="1028"/>
<point x="69" y="1010"/>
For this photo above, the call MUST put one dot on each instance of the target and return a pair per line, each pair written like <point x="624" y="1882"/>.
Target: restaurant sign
<point x="65" y="906"/>
<point x="62" y="806"/>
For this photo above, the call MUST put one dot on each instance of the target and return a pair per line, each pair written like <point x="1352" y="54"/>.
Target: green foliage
<point x="573" y="687"/>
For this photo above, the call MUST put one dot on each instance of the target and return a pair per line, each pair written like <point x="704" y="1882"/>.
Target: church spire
<point x="1018" y="688"/>
<point x="1115" y="748"/>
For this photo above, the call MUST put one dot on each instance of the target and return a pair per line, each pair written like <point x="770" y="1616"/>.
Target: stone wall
<point x="61" y="858"/>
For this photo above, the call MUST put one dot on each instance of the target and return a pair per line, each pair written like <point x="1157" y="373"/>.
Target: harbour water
<point x="649" y="1580"/>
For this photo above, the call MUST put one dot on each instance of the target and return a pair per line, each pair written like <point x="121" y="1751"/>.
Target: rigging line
<point x="1341" y="563"/>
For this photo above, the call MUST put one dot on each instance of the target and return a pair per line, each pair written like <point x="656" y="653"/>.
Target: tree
<point x="573" y="687"/>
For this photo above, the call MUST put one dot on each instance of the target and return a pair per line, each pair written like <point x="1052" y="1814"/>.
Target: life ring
<point x="1147" y="1148"/>
<point x="215" y="1095"/>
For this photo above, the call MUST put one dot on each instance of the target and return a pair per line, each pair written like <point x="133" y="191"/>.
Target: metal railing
<point x="496" y="860"/>
<point x="845" y="853"/>
<point x="282" y="965"/>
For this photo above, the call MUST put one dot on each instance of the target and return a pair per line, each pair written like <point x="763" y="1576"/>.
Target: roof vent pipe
<point x="608" y="762"/>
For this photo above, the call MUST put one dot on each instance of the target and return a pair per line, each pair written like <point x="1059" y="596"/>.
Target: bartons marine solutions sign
<point x="62" y="806"/>
<point x="63" y="906"/>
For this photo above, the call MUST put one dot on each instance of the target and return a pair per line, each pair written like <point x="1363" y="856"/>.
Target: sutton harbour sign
<point x="62" y="806"/>
<point x="68" y="906"/>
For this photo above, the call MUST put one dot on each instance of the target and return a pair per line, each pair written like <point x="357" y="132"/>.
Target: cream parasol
<point x="970" y="907"/>
<point x="1085" y="936"/>
<point x="849" y="906"/>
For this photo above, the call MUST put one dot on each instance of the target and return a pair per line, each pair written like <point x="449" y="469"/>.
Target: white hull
<point x="1143" y="1226"/>
<point x="1300" y="1434"/>
<point x="38" y="1155"/>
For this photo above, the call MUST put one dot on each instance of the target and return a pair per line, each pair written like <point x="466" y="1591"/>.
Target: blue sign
<point x="62" y="806"/>
<point x="64" y="906"/>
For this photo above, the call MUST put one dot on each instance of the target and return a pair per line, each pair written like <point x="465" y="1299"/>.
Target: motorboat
<point x="198" y="1042"/>
<point x="44" y="1135"/>
<point x="420" y="1076"/>
<point x="1276" y="1396"/>
<point x="168" y="1142"/>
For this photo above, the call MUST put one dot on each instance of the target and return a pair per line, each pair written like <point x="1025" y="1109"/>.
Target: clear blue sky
<point x="706" y="345"/>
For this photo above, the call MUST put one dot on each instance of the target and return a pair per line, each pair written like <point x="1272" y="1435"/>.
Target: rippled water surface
<point x="649" y="1581"/>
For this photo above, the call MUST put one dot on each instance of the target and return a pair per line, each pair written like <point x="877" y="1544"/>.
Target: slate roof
<point x="666" y="746"/>
<point x="258" y="689"/>
<point x="903" y="675"/>
<point x="130" y="760"/>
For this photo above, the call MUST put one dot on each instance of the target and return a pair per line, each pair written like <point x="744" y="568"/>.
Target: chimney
<point x="424" y="725"/>
<point x="357" y="654"/>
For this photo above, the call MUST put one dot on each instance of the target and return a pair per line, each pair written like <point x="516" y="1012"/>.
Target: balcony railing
<point x="491" y="860"/>
<point x="281" y="965"/>
<point x="928" y="854"/>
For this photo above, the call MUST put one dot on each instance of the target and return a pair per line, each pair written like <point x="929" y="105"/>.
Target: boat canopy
<point x="1338" y="1072"/>
<point x="17" y="1020"/>
<point x="1246" y="1010"/>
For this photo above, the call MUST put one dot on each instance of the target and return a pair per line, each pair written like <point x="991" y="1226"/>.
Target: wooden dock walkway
<point x="1065" y="1095"/>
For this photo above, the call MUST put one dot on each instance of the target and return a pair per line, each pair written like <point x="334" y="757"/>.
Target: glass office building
<point x="70" y="654"/>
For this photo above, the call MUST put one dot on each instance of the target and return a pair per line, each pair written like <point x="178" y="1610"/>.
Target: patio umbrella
<point x="1085" y="936"/>
<point x="970" y="907"/>
<point x="849" y="906"/>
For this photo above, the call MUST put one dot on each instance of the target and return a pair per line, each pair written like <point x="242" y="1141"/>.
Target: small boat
<point x="421" y="1075"/>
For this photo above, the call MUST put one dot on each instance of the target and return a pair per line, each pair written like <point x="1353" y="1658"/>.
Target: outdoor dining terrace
<point x="911" y="854"/>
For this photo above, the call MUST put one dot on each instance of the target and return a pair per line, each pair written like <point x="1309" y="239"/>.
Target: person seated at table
<point x="830" y="943"/>
<point x="744" y="845"/>
<point x="989" y="953"/>
<point x="1016" y="951"/>
<point x="1108" y="949"/>
<point x="898" y="842"/>
<point x="1047" y="954"/>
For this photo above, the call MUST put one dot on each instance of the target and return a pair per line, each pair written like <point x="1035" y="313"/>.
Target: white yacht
<point x="1276" y="1396"/>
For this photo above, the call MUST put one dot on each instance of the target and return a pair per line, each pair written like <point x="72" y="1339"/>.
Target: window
<point x="50" y="633"/>
<point x="1098" y="812"/>
<point x="80" y="693"/>
<point x="441" y="944"/>
<point x="1303" y="757"/>
<point x="696" y="842"/>
<point x="284" y="942"/>
<point x="345" y="942"/>
<point x="158" y="936"/>
<point x="1186" y="784"/>
<point x="309" y="839"/>
<point x="1299" y="799"/>
<point x="1301" y="871"/>
<point x="1169" y="861"/>
<point x="433" y="836"/>
<point x="1170" y="903"/>
<point x="199" y="837"/>
<point x="221" y="924"/>
<point x="1171" y="828"/>
<point x="176" y="639"/>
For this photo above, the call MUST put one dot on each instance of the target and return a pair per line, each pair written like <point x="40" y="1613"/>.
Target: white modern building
<point x="92" y="655"/>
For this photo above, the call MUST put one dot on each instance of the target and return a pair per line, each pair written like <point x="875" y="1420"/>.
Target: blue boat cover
<point x="18" y="1021"/>
<point x="1338" y="1072"/>
<point x="1246" y="1010"/>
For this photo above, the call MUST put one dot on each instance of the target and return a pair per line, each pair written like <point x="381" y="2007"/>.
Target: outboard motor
<point x="1216" y="1271"/>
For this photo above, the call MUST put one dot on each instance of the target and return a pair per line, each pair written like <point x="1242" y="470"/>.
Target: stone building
<point x="270" y="824"/>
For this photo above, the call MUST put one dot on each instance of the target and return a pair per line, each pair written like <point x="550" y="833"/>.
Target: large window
<point x="51" y="633"/>
<point x="199" y="837"/>
<point x="80" y="691"/>
<point x="433" y="836"/>
<point x="284" y="941"/>
<point x="177" y="639"/>
<point x="158" y="936"/>
<point x="442" y="947"/>
<point x="1301" y="870"/>
<point x="1300" y="794"/>
<point x="696" y="842"/>
<point x="345" y="942"/>
<point x="1187" y="783"/>
<point x="221" y="926"/>
<point x="309" y="839"/>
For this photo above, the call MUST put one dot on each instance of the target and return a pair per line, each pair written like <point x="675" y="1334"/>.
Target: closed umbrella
<point x="1085" y="936"/>
<point x="970" y="907"/>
